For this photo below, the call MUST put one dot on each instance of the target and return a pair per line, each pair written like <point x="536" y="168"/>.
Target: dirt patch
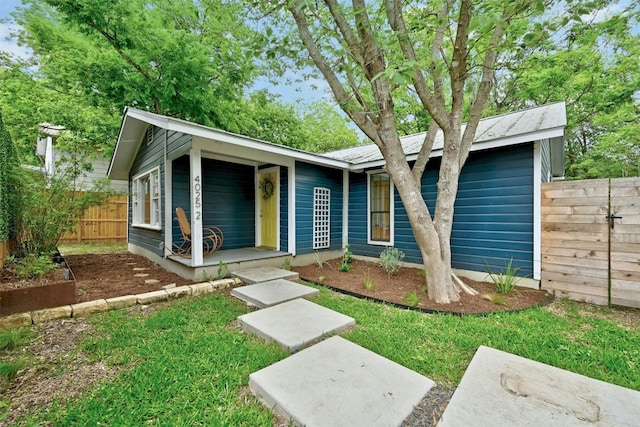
<point x="410" y="281"/>
<point x="57" y="370"/>
<point x="115" y="274"/>
<point x="101" y="276"/>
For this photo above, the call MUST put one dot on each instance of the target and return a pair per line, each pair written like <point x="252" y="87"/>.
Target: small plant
<point x="421" y="273"/>
<point x="12" y="338"/>
<point x="411" y="298"/>
<point x="322" y="278"/>
<point x="223" y="270"/>
<point x="505" y="282"/>
<point x="345" y="268"/>
<point x="347" y="258"/>
<point x="369" y="284"/>
<point x="286" y="265"/>
<point x="318" y="259"/>
<point x="495" y="298"/>
<point x="32" y="266"/>
<point x="9" y="370"/>
<point x="391" y="260"/>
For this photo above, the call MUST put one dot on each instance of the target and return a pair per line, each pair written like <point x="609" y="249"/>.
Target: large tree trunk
<point x="434" y="247"/>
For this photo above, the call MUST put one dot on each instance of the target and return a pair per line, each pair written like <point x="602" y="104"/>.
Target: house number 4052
<point x="197" y="194"/>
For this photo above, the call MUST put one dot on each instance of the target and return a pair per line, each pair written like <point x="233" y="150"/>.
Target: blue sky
<point x="291" y="93"/>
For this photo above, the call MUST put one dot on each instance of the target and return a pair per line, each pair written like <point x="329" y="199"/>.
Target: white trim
<point x="155" y="214"/>
<point x="291" y="183"/>
<point x="256" y="208"/>
<point x="537" y="215"/>
<point x="391" y="210"/>
<point x="345" y="208"/>
<point x="276" y="191"/>
<point x="197" y="205"/>
<point x="168" y="200"/>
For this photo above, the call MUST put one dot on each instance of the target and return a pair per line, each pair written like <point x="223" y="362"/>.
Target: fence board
<point x="101" y="224"/>
<point x="575" y="240"/>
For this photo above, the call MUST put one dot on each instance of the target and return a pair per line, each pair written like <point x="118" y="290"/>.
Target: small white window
<point x="321" y="218"/>
<point x="146" y="199"/>
<point x="380" y="204"/>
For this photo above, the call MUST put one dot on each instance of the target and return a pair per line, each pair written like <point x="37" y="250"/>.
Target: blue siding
<point x="284" y="209"/>
<point x="148" y="157"/>
<point x="228" y="199"/>
<point x="493" y="219"/>
<point x="307" y="177"/>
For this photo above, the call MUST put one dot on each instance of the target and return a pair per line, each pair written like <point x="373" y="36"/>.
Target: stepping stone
<point x="151" y="281"/>
<point x="500" y="388"/>
<point x="140" y="275"/>
<point x="295" y="323"/>
<point x="338" y="383"/>
<point x="140" y="268"/>
<point x="264" y="274"/>
<point x="271" y="293"/>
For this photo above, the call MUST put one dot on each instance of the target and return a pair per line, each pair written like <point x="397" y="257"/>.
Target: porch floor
<point x="231" y="256"/>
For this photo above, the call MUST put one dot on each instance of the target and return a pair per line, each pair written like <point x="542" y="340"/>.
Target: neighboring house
<point x="55" y="160"/>
<point x="274" y="202"/>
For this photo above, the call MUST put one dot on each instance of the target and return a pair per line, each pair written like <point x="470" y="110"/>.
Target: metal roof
<point x="533" y="124"/>
<point x="524" y="126"/>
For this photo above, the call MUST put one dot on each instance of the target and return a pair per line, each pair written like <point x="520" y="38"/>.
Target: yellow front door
<point x="268" y="193"/>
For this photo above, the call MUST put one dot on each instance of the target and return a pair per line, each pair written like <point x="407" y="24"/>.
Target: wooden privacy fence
<point x="106" y="223"/>
<point x="591" y="240"/>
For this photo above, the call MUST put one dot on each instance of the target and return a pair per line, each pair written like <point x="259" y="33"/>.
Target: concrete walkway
<point x="502" y="389"/>
<point x="332" y="383"/>
<point x="338" y="383"/>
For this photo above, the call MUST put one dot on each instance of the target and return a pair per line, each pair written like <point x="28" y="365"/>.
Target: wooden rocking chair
<point x="211" y="240"/>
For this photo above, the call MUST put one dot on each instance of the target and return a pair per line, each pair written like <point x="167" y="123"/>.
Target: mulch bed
<point x="394" y="289"/>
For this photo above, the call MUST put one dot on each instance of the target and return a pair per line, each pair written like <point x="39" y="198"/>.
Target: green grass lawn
<point x="184" y="364"/>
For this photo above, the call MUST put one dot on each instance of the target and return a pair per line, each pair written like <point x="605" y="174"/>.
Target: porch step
<point x="273" y="292"/>
<point x="264" y="274"/>
<point x="294" y="324"/>
<point x="338" y="383"/>
<point x="500" y="388"/>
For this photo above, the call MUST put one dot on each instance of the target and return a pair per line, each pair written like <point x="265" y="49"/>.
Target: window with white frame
<point x="321" y="218"/>
<point x="146" y="199"/>
<point x="380" y="203"/>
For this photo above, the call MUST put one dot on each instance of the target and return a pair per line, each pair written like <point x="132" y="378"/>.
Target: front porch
<point x="233" y="259"/>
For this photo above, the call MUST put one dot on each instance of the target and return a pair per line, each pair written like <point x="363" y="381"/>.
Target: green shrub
<point x="345" y="268"/>
<point x="13" y="338"/>
<point x="347" y="258"/>
<point x="411" y="298"/>
<point x="32" y="266"/>
<point x="9" y="370"/>
<point x="506" y="281"/>
<point x="391" y="260"/>
<point x="9" y="185"/>
<point x="369" y="284"/>
<point x="318" y="259"/>
<point x="223" y="270"/>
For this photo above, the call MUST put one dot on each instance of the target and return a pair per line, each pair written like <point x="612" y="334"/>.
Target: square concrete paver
<point x="271" y="293"/>
<point x="338" y="383"/>
<point x="264" y="274"/>
<point x="501" y="389"/>
<point x="295" y="323"/>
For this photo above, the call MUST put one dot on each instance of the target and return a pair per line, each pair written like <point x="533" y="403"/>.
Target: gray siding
<point x="493" y="218"/>
<point x="307" y="177"/>
<point x="148" y="157"/>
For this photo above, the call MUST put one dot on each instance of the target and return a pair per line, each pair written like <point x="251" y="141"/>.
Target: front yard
<point x="186" y="363"/>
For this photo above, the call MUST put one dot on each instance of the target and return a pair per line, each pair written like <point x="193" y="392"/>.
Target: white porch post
<point x="195" y="158"/>
<point x="291" y="182"/>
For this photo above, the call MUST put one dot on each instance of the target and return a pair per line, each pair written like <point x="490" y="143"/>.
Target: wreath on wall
<point x="267" y="188"/>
